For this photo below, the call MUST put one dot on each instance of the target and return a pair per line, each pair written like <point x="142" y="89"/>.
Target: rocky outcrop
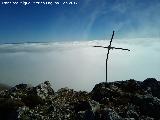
<point x="120" y="100"/>
<point x="130" y="99"/>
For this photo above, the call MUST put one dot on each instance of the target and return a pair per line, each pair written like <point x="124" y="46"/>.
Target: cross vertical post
<point x="106" y="69"/>
<point x="109" y="47"/>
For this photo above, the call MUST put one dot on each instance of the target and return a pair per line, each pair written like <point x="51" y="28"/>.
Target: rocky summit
<point x="120" y="100"/>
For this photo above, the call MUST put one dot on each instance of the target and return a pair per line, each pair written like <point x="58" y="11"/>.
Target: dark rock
<point x="32" y="100"/>
<point x="150" y="82"/>
<point x="121" y="95"/>
<point x="43" y="90"/>
<point x="85" y="115"/>
<point x="120" y="100"/>
<point x="131" y="112"/>
<point x="107" y="114"/>
<point x="8" y="108"/>
<point x="153" y="85"/>
<point x="148" y="105"/>
<point x="81" y="106"/>
<point x="89" y="115"/>
<point x="132" y="86"/>
<point x="21" y="86"/>
<point x="51" y="109"/>
<point x="103" y="90"/>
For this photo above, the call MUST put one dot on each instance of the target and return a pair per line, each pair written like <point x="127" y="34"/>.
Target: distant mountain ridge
<point x="119" y="100"/>
<point x="22" y="42"/>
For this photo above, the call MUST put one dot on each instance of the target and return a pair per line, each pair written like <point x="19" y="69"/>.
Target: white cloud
<point x="77" y="64"/>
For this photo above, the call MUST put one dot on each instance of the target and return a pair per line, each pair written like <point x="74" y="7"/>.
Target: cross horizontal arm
<point x="112" y="48"/>
<point x="97" y="46"/>
<point x="120" y="48"/>
<point x="108" y="47"/>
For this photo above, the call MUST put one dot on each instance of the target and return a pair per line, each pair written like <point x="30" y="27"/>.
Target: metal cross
<point x="109" y="48"/>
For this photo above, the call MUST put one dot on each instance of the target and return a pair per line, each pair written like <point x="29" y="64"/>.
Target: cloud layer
<point x="78" y="65"/>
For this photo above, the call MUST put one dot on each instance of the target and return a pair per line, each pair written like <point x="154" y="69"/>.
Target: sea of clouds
<point x="78" y="64"/>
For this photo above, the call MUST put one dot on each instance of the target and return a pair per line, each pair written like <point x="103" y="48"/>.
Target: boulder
<point x="153" y="86"/>
<point x="43" y="90"/>
<point x="107" y="114"/>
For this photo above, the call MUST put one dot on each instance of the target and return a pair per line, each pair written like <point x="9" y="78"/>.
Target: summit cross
<point x="109" y="47"/>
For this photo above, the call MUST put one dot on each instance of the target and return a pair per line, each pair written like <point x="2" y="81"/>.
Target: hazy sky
<point x="78" y="65"/>
<point x="88" y="20"/>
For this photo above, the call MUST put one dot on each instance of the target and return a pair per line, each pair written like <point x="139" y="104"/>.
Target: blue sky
<point x="88" y="20"/>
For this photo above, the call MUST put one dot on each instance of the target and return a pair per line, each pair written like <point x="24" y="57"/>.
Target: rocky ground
<point x="120" y="100"/>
